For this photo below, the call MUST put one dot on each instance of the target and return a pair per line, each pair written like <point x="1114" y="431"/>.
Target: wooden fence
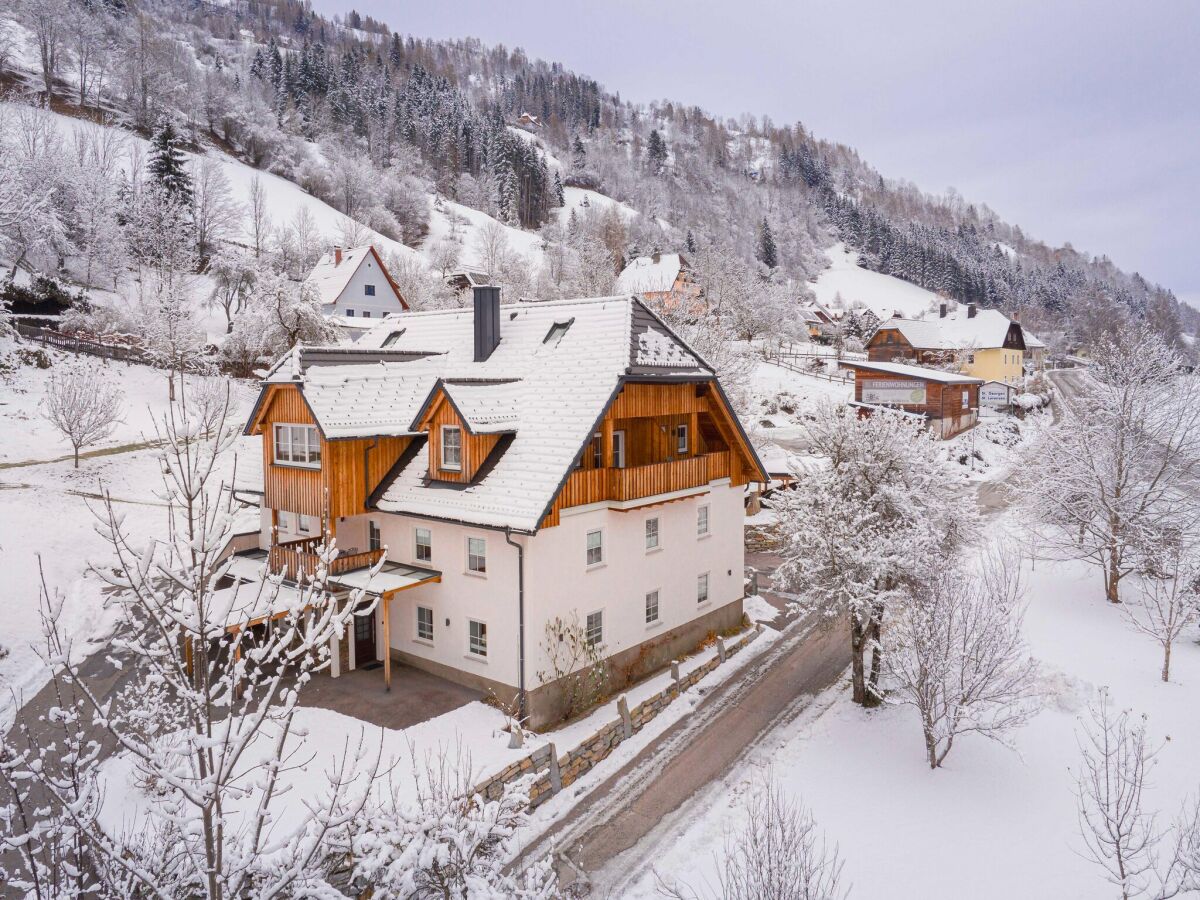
<point x="59" y="341"/>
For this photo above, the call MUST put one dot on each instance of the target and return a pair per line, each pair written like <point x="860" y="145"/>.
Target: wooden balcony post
<point x="606" y="442"/>
<point x="386" y="601"/>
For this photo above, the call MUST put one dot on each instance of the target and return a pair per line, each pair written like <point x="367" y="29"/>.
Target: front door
<point x="364" y="640"/>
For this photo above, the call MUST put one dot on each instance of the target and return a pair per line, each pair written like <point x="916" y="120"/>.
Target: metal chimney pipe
<point x="487" y="320"/>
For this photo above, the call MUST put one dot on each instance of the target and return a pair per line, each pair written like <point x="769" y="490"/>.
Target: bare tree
<point x="492" y="245"/>
<point x="778" y="853"/>
<point x="88" y="44"/>
<point x="576" y="665"/>
<point x="956" y="655"/>
<point x="48" y="20"/>
<point x="1168" y="598"/>
<point x="260" y="219"/>
<point x="84" y="408"/>
<point x="1123" y="460"/>
<point x="214" y="210"/>
<point x="1119" y="834"/>
<point x="207" y="723"/>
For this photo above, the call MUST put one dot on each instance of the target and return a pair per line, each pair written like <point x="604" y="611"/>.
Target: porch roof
<point x="391" y="578"/>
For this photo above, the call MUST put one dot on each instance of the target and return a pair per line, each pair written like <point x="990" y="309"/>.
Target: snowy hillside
<point x="882" y="294"/>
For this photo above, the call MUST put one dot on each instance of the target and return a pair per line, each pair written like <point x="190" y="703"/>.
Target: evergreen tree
<point x="690" y="242"/>
<point x="167" y="165"/>
<point x="768" y="254"/>
<point x="656" y="152"/>
<point x="558" y="191"/>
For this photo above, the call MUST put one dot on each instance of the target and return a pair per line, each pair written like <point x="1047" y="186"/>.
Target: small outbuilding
<point x="948" y="401"/>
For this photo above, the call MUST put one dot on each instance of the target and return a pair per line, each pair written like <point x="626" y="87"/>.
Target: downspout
<point x="522" y="712"/>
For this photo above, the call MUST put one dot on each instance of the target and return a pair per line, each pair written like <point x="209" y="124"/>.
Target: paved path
<point x="698" y="750"/>
<point x="84" y="454"/>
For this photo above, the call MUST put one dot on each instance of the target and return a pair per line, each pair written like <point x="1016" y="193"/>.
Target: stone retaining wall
<point x="555" y="772"/>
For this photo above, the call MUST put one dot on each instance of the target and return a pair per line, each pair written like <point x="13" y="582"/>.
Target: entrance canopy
<point x="390" y="579"/>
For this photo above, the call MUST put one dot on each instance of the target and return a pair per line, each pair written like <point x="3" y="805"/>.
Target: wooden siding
<point x="943" y="402"/>
<point x="648" y="414"/>
<point x="350" y="469"/>
<point x="475" y="447"/>
<point x="296" y="558"/>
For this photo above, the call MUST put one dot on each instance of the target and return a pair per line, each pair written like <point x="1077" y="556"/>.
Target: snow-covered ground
<point x="992" y="823"/>
<point x="882" y="294"/>
<point x="48" y="509"/>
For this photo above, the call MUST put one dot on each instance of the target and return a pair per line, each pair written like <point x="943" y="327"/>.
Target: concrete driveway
<point x="415" y="696"/>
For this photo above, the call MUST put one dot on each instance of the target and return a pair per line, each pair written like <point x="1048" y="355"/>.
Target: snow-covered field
<point x="882" y="294"/>
<point x="993" y="823"/>
<point x="48" y="509"/>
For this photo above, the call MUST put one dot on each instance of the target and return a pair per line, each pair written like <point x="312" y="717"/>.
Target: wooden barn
<point x="949" y="402"/>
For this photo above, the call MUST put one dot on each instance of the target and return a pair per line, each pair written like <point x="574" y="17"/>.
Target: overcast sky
<point x="1079" y="121"/>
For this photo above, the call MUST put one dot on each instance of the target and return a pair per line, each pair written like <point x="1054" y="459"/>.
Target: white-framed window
<point x="702" y="520"/>
<point x="681" y="440"/>
<point x="477" y="638"/>
<point x="595" y="547"/>
<point x="619" y="449"/>
<point x="652" y="607"/>
<point x="374" y="537"/>
<point x="368" y="290"/>
<point x="451" y="447"/>
<point x="306" y="524"/>
<point x="297" y="445"/>
<point x="970" y="359"/>
<point x="652" y="533"/>
<point x="702" y="588"/>
<point x="282" y="520"/>
<point x="477" y="555"/>
<point x="423" y="540"/>
<point x="425" y="625"/>
<point x="594" y="631"/>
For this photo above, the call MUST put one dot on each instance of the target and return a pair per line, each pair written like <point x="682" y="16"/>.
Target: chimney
<point x="337" y="256"/>
<point x="487" y="320"/>
<point x="942" y="311"/>
<point x="1016" y="317"/>
<point x="971" y="310"/>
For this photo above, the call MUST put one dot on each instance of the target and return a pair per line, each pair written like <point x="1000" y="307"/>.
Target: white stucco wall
<point x="354" y="297"/>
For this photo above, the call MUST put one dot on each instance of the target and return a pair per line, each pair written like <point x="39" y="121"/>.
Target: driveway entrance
<point x="415" y="696"/>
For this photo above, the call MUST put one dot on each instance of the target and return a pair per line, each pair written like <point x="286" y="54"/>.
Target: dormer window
<point x="451" y="448"/>
<point x="297" y="445"/>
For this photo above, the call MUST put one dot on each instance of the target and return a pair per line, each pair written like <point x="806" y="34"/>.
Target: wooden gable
<point x="475" y="447"/>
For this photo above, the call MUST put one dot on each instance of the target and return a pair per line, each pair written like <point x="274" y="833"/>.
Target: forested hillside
<point x="392" y="131"/>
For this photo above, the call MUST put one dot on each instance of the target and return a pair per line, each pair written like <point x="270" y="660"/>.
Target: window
<point x="282" y="520"/>
<point x="652" y="534"/>
<point x="368" y="290"/>
<point x="424" y="542"/>
<point x="425" y="625"/>
<point x="970" y="359"/>
<point x="619" y="449"/>
<point x="393" y="337"/>
<point x="477" y="637"/>
<point x="702" y="588"/>
<point x="297" y="445"/>
<point x="349" y="314"/>
<point x="652" y="607"/>
<point x="374" y="538"/>
<point x="306" y="524"/>
<point x="594" y="633"/>
<point x="366" y="314"/>
<point x="597" y="457"/>
<point x="451" y="447"/>
<point x="477" y="556"/>
<point x="556" y="332"/>
<point x="702" y="520"/>
<point x="595" y="548"/>
<point x="966" y="399"/>
<point x="681" y="440"/>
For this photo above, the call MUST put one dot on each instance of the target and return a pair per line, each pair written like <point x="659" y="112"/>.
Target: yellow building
<point x="982" y="343"/>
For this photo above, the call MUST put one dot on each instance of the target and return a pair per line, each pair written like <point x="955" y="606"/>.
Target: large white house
<point x="515" y="464"/>
<point x="354" y="284"/>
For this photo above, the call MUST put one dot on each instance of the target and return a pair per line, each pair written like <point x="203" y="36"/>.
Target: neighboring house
<point x="662" y="278"/>
<point x="983" y="343"/>
<point x="468" y="279"/>
<point x="515" y="465"/>
<point x="949" y="402"/>
<point x="1035" y="352"/>
<point x="529" y="123"/>
<point x="355" y="284"/>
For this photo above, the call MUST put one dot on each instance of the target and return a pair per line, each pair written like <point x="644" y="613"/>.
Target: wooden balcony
<point x="637" y="482"/>
<point x="296" y="558"/>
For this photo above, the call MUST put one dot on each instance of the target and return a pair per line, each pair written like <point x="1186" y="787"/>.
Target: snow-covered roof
<point x="1032" y="341"/>
<point x="650" y="274"/>
<point x="908" y="371"/>
<point x="958" y="330"/>
<point x="334" y="270"/>
<point x="545" y="386"/>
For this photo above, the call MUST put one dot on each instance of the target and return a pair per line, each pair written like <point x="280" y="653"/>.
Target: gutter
<point x="522" y="712"/>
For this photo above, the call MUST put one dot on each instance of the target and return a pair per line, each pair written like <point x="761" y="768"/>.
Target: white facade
<point x="559" y="582"/>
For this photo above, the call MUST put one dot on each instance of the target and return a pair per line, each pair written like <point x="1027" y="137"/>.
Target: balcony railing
<point x="300" y="557"/>
<point x="636" y="482"/>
